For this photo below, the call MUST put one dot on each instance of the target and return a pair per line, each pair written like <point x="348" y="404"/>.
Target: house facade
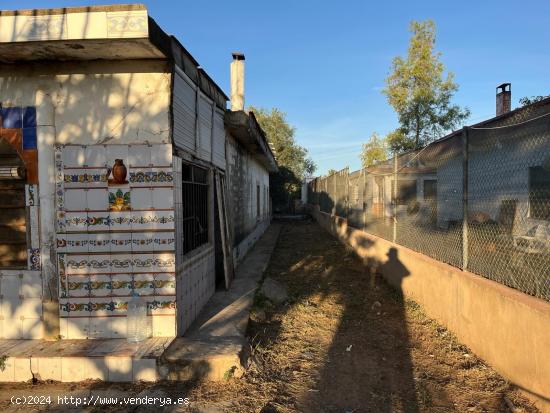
<point x="116" y="166"/>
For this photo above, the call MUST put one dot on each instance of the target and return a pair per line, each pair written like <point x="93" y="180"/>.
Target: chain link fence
<point x="478" y="199"/>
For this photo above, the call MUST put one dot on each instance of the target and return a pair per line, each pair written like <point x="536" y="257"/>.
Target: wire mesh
<point x="509" y="206"/>
<point x="483" y="206"/>
<point x="427" y="201"/>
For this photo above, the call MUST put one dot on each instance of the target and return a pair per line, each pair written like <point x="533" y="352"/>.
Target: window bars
<point x="194" y="207"/>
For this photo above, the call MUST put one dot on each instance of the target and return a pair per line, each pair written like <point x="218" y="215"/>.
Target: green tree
<point x="331" y="171"/>
<point x="420" y="93"/>
<point x="294" y="163"/>
<point x="374" y="151"/>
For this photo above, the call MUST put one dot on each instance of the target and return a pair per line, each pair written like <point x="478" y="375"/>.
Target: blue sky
<point x="324" y="62"/>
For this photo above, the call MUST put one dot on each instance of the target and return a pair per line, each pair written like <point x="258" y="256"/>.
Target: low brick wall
<point x="508" y="329"/>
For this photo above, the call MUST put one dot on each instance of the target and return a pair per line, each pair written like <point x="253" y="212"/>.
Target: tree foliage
<point x="420" y="93"/>
<point x="292" y="159"/>
<point x="526" y="100"/>
<point x="374" y="151"/>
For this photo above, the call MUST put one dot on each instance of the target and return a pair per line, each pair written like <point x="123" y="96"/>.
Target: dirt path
<point x="338" y="346"/>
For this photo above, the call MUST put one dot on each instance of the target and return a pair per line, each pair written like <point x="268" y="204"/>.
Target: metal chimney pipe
<point x="504" y="98"/>
<point x="237" y="81"/>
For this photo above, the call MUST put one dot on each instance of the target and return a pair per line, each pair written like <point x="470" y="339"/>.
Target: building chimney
<point x="504" y="98"/>
<point x="237" y="81"/>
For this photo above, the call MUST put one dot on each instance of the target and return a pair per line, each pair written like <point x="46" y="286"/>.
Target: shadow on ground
<point x="346" y="344"/>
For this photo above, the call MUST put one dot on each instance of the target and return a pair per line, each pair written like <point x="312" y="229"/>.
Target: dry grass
<point x="399" y="360"/>
<point x="341" y="346"/>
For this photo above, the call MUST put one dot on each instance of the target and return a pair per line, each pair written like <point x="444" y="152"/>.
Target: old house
<point x="121" y="171"/>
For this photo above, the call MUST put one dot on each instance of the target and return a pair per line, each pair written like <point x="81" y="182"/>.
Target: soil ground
<point x="341" y="344"/>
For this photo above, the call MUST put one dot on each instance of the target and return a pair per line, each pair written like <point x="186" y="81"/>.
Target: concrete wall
<point x="508" y="329"/>
<point x="94" y="102"/>
<point x="244" y="175"/>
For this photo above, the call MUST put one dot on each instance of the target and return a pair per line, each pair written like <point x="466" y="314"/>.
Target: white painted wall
<point x="95" y="102"/>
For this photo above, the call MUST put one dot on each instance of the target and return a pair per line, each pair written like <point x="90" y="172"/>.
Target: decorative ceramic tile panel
<point x="73" y="243"/>
<point x="121" y="242"/>
<point x="102" y="307"/>
<point x="34" y="226"/>
<point x="143" y="241"/>
<point x="162" y="305"/>
<point x="144" y="284"/>
<point x="164" y="241"/>
<point x="101" y="285"/>
<point x="165" y="284"/>
<point x="164" y="220"/>
<point x="78" y="286"/>
<point x="163" y="198"/>
<point x="161" y="155"/>
<point x="73" y="156"/>
<point x="122" y="264"/>
<point x="31" y="195"/>
<point x="122" y="285"/>
<point x="142" y="198"/>
<point x="127" y="24"/>
<point x="139" y="156"/>
<point x="111" y="241"/>
<point x="119" y="199"/>
<point x="95" y="156"/>
<point x="115" y="152"/>
<point x="75" y="199"/>
<point x="154" y="263"/>
<point x="84" y="177"/>
<point x="99" y="241"/>
<point x="151" y="177"/>
<point x="75" y="221"/>
<point x="75" y="307"/>
<point x="33" y="255"/>
<point x="143" y="220"/>
<point x="87" y="264"/>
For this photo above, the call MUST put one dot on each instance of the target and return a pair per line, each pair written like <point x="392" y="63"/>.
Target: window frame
<point x="195" y="190"/>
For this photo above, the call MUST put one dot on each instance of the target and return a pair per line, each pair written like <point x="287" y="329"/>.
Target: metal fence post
<point x="465" y="148"/>
<point x="347" y="192"/>
<point x="394" y="196"/>
<point x="334" y="192"/>
<point x="364" y="198"/>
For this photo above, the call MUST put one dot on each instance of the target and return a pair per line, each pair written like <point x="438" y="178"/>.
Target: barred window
<point x="539" y="192"/>
<point x="194" y="193"/>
